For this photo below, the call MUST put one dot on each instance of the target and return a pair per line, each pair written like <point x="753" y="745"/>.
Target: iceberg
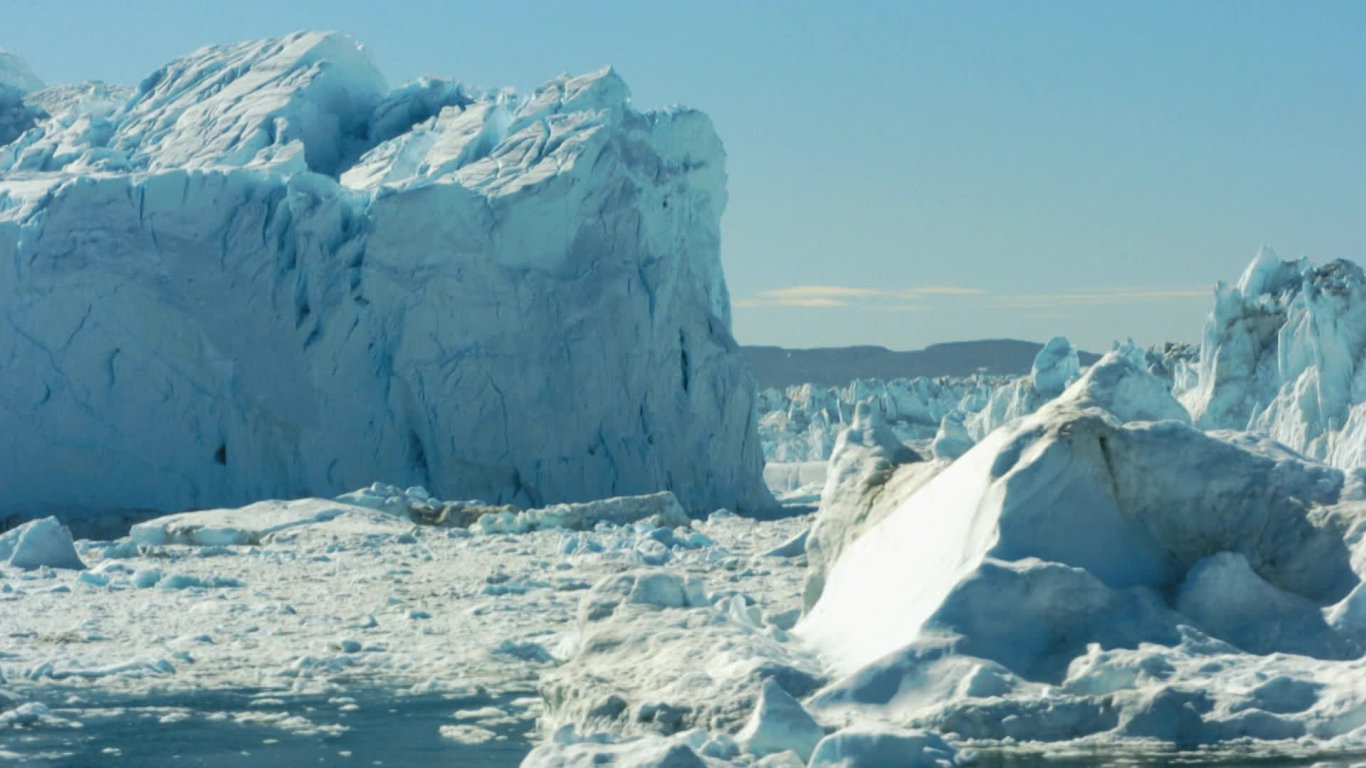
<point x="1099" y="569"/>
<point x="263" y="274"/>
<point x="1282" y="355"/>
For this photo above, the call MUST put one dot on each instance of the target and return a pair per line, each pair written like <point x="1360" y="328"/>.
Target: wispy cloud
<point x="943" y="290"/>
<point x="794" y="301"/>
<point x="913" y="299"/>
<point x="845" y="296"/>
<point x="800" y="292"/>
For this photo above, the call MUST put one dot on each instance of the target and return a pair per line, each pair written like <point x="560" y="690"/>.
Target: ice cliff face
<point x="1283" y="354"/>
<point x="262" y="273"/>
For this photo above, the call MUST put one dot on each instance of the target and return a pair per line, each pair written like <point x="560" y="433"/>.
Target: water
<point x="127" y="731"/>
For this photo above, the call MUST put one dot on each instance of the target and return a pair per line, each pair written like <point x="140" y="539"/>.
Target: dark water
<point x="386" y="730"/>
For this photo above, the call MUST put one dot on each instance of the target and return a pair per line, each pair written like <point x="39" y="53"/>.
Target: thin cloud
<point x="849" y="296"/>
<point x="943" y="290"/>
<point x="911" y="299"/>
<point x="798" y="292"/>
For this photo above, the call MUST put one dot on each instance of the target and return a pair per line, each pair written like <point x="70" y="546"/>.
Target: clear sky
<point x="903" y="173"/>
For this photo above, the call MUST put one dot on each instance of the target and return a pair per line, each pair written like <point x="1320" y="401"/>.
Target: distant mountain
<point x="836" y="366"/>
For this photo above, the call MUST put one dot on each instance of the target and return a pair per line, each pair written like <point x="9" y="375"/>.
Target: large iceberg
<point x="262" y="273"/>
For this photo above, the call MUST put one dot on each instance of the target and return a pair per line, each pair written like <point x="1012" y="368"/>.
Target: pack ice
<point x="263" y="273"/>
<point x="801" y="423"/>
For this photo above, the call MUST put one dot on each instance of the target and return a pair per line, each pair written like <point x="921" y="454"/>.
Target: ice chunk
<point x="1121" y="383"/>
<point x="661" y="509"/>
<point x="779" y="724"/>
<point x="1054" y="367"/>
<point x="42" y="543"/>
<point x="952" y="440"/>
<point x="875" y="746"/>
<point x="647" y="752"/>
<point x="793" y="547"/>
<point x="256" y="523"/>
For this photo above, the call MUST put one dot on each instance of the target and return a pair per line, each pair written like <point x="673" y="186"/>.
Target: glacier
<point x="262" y="273"/>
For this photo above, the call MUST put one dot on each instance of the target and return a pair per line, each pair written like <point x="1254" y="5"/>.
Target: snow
<point x="279" y="278"/>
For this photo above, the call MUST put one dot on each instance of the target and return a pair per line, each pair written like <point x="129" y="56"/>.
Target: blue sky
<point x="904" y="173"/>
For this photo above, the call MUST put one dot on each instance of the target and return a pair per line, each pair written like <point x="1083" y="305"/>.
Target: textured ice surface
<point x="262" y="273"/>
<point x="1282" y="355"/>
<point x="359" y="609"/>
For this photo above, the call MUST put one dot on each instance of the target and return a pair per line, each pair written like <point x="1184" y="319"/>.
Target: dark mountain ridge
<point x="837" y="366"/>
